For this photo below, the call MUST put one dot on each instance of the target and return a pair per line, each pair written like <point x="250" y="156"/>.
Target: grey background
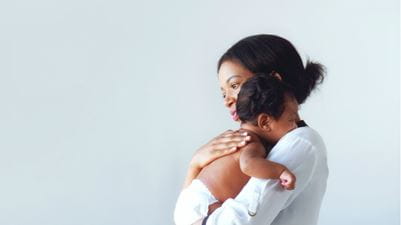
<point x="104" y="102"/>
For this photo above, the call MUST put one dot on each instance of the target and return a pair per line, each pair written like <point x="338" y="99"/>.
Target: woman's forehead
<point x="229" y="67"/>
<point x="230" y="70"/>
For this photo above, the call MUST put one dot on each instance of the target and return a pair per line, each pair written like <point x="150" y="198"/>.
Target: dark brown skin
<point x="213" y="207"/>
<point x="231" y="77"/>
<point x="223" y="177"/>
<point x="224" y="144"/>
<point x="226" y="176"/>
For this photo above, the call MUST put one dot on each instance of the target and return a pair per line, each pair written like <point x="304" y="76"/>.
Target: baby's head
<point x="267" y="106"/>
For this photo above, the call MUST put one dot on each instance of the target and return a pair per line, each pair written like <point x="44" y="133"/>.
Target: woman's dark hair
<point x="269" y="53"/>
<point x="261" y="94"/>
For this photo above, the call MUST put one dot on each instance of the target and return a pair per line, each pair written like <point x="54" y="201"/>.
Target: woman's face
<point x="231" y="77"/>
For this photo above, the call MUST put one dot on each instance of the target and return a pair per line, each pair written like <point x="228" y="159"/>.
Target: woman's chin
<point x="235" y="118"/>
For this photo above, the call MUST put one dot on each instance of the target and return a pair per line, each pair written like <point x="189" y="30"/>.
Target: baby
<point x="267" y="111"/>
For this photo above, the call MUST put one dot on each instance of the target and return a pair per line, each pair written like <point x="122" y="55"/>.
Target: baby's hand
<point x="287" y="180"/>
<point x="214" y="206"/>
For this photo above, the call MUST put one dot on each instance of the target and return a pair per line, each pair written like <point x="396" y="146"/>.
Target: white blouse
<point x="266" y="202"/>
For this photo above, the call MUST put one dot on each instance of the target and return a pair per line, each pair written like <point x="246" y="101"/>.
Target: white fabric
<point x="193" y="203"/>
<point x="304" y="153"/>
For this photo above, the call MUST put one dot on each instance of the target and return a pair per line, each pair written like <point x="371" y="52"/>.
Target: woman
<point x="302" y="151"/>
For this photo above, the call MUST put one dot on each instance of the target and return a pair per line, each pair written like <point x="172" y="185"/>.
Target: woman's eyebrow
<point x="228" y="80"/>
<point x="232" y="77"/>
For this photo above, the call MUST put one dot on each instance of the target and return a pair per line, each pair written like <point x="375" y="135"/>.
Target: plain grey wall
<point x="104" y="102"/>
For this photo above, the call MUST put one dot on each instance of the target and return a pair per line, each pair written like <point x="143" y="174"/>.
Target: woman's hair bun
<point x="314" y="74"/>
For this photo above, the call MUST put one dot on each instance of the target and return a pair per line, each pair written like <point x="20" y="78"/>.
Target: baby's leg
<point x="193" y="203"/>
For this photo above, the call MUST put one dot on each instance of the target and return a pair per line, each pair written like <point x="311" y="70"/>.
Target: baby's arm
<point x="253" y="163"/>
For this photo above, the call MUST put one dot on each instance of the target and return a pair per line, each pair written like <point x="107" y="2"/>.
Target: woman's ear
<point x="264" y="121"/>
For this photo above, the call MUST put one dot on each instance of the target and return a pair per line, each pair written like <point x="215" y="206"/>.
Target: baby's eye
<point x="224" y="95"/>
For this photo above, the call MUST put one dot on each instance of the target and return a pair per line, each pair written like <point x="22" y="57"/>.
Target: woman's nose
<point x="229" y="101"/>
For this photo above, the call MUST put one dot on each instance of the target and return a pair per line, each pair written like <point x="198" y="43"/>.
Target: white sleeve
<point x="261" y="200"/>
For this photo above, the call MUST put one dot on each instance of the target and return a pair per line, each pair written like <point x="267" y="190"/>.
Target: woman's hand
<point x="213" y="207"/>
<point x="224" y="144"/>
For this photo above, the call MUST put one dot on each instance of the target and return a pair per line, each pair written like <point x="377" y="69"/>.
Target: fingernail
<point x="248" y="138"/>
<point x="245" y="133"/>
<point x="242" y="142"/>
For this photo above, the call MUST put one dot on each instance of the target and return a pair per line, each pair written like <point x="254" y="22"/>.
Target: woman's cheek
<point x="237" y="92"/>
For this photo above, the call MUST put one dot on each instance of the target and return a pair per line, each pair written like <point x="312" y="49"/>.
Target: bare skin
<point x="231" y="76"/>
<point x="224" y="144"/>
<point x="226" y="176"/>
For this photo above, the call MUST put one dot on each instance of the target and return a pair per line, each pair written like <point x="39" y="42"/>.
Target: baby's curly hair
<point x="261" y="94"/>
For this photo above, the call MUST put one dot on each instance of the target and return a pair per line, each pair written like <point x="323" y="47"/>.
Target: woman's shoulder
<point x="306" y="134"/>
<point x="303" y="140"/>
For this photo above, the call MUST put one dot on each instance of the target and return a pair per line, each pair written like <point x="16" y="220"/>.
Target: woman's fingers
<point x="236" y="133"/>
<point x="224" y="144"/>
<point x="233" y="139"/>
<point x="229" y="145"/>
<point x="226" y="133"/>
<point x="230" y="140"/>
<point x="217" y="148"/>
<point x="243" y="143"/>
<point x="233" y="136"/>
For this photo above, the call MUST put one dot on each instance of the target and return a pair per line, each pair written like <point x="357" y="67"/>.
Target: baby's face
<point x="287" y="121"/>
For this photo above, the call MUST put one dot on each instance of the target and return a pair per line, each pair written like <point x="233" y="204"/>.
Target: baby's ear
<point x="276" y="75"/>
<point x="264" y="121"/>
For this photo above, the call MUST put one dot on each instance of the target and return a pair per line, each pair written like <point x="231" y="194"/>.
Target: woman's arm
<point x="224" y="144"/>
<point x="192" y="173"/>
<point x="260" y="201"/>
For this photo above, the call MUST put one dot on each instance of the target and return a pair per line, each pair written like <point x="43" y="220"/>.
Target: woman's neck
<point x="298" y="118"/>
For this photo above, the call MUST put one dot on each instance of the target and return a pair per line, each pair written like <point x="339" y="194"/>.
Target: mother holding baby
<point x="302" y="151"/>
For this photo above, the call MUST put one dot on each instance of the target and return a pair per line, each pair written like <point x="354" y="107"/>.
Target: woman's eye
<point x="234" y="86"/>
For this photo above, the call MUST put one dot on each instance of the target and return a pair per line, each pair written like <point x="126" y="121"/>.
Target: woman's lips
<point x="234" y="115"/>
